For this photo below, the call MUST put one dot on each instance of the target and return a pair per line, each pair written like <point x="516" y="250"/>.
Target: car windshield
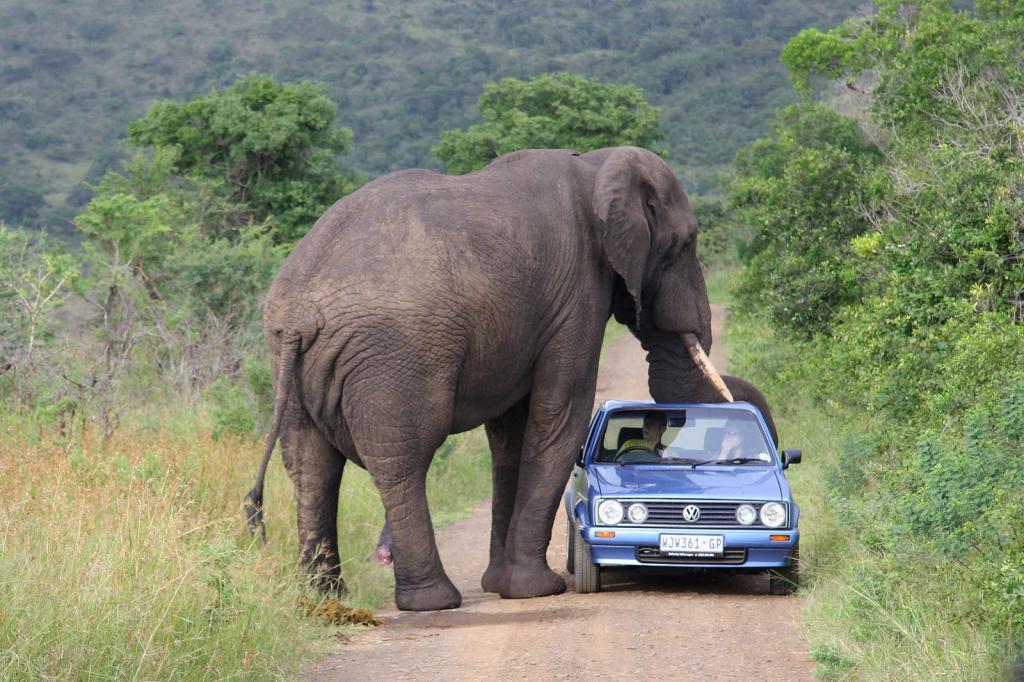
<point x="698" y="436"/>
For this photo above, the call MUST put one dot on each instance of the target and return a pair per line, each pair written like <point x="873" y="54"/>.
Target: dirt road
<point x="640" y="627"/>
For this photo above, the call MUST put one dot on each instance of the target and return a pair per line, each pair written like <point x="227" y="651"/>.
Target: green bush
<point x="232" y="409"/>
<point x="800" y="197"/>
<point x="550" y="111"/>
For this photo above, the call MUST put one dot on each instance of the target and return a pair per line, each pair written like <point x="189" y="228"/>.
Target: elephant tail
<point x="285" y="374"/>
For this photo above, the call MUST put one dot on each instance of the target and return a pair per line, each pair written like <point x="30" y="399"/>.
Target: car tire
<point x="587" y="575"/>
<point x="783" y="581"/>
<point x="570" y="546"/>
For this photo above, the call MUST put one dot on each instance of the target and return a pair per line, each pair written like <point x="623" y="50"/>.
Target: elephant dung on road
<point x="424" y="305"/>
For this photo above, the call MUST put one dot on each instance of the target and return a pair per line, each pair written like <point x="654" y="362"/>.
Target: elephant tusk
<point x="700" y="359"/>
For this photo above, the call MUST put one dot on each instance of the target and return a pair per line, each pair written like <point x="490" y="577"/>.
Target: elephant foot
<point x="523" y="582"/>
<point x="495" y="577"/>
<point x="441" y="595"/>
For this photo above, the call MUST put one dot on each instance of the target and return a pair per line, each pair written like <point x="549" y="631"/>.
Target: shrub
<point x="231" y="409"/>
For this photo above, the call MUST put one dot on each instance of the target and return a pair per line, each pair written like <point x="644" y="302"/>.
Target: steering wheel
<point x="638" y="454"/>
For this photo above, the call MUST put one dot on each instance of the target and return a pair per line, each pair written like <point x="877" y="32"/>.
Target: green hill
<point x="73" y="74"/>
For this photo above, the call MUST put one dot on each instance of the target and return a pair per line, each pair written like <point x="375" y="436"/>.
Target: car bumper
<point x="639" y="547"/>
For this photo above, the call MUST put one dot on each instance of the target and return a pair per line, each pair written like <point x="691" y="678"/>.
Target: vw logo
<point x="691" y="513"/>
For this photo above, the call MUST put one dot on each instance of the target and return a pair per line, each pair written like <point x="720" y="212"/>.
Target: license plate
<point x="692" y="545"/>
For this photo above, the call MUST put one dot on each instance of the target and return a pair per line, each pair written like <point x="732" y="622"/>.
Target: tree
<point x="800" y="195"/>
<point x="551" y="111"/>
<point x="949" y="88"/>
<point x="34" y="283"/>
<point x="180" y="239"/>
<point x="270" y="147"/>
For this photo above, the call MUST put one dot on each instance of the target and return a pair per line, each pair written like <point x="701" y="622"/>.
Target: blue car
<point x="681" y="486"/>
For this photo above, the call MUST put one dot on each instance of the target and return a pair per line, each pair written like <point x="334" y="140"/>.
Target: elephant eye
<point x="649" y="208"/>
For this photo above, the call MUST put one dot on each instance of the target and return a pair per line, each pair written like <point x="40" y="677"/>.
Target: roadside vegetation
<point x="127" y="558"/>
<point x="882" y="301"/>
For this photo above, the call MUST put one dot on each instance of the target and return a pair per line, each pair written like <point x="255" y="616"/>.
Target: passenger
<point x="732" y="444"/>
<point x="655" y="425"/>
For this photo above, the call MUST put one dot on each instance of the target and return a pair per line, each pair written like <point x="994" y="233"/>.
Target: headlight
<point x="773" y="515"/>
<point x="746" y="514"/>
<point x="637" y="512"/>
<point x="610" y="512"/>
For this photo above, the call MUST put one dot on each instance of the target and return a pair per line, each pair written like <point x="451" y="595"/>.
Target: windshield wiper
<point x="734" y="460"/>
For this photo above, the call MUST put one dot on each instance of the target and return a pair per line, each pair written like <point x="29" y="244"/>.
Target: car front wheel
<point x="587" y="575"/>
<point x="783" y="581"/>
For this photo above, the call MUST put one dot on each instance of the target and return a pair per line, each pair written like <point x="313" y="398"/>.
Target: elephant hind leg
<point x="397" y="458"/>
<point x="315" y="467"/>
<point x="505" y="435"/>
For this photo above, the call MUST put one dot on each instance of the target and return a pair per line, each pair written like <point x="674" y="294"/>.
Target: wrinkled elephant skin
<point x="424" y="305"/>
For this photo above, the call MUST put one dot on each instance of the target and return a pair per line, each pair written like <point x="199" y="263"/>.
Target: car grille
<point x="669" y="514"/>
<point x="651" y="555"/>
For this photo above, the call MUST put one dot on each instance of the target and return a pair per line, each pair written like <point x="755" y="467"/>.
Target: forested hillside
<point x="73" y="74"/>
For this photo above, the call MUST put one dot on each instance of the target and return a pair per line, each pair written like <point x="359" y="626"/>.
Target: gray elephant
<point x="424" y="305"/>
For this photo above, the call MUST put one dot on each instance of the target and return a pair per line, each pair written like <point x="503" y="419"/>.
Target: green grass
<point x="869" y="613"/>
<point x="864" y="617"/>
<point x="128" y="560"/>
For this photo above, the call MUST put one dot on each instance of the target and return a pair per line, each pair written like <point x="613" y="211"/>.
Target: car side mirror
<point x="791" y="457"/>
<point x="579" y="456"/>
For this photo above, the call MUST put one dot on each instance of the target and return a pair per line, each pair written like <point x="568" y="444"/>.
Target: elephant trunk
<point x="679" y="374"/>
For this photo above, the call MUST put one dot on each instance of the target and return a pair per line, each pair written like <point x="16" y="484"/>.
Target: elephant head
<point x="649" y="234"/>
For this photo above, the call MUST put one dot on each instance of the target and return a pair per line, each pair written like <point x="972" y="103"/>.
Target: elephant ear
<point x="619" y="207"/>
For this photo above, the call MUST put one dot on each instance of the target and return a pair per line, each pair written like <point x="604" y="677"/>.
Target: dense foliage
<point x="552" y="111"/>
<point x="267" y="146"/>
<point x="180" y="246"/>
<point x="918" y="348"/>
<point x="73" y="76"/>
<point x="800" y="194"/>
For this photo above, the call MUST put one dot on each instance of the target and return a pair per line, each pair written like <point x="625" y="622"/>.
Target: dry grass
<point x="128" y="560"/>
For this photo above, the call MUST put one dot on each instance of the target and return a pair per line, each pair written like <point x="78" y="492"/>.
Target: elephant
<point x="423" y="305"/>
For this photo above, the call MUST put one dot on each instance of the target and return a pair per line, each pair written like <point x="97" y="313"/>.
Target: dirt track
<point x="697" y="626"/>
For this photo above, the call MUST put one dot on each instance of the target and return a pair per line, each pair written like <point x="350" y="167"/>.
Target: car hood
<point x="733" y="483"/>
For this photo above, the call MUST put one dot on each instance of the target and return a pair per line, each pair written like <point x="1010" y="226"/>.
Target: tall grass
<point x="128" y="559"/>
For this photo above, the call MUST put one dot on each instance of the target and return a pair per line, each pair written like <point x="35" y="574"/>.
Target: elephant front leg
<point x="554" y="433"/>
<point x="315" y="468"/>
<point x="505" y="436"/>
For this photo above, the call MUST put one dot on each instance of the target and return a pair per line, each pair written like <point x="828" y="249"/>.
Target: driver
<point x="732" y="444"/>
<point x="655" y="425"/>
